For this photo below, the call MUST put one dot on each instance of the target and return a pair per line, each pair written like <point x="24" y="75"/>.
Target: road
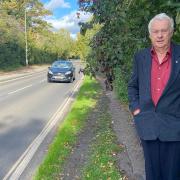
<point x="26" y="107"/>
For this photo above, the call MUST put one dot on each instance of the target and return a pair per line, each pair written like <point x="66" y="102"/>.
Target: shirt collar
<point x="153" y="52"/>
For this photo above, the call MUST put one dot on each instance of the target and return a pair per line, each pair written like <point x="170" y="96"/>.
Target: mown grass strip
<point x="102" y="161"/>
<point x="67" y="134"/>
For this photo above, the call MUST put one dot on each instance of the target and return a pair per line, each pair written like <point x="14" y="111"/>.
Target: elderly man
<point x="154" y="98"/>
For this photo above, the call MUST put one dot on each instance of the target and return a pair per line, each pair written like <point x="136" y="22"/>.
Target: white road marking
<point x="12" y="92"/>
<point x="20" y="165"/>
<point x="42" y="81"/>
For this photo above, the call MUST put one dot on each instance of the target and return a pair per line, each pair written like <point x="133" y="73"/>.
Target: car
<point x="61" y="71"/>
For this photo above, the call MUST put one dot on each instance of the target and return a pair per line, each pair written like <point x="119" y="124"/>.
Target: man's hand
<point x="136" y="112"/>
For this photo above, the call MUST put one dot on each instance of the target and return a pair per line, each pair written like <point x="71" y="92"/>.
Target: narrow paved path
<point x="130" y="161"/>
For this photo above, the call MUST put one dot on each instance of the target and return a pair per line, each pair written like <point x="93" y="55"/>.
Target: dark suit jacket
<point x="162" y="121"/>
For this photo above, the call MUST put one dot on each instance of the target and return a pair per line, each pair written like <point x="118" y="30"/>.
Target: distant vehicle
<point x="61" y="71"/>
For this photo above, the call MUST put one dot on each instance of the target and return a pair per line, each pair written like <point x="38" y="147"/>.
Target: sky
<point x="64" y="15"/>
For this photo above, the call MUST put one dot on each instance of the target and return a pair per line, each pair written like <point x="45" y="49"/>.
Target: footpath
<point x="130" y="161"/>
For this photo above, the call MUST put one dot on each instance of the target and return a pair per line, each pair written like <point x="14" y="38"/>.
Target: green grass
<point x="102" y="161"/>
<point x="62" y="145"/>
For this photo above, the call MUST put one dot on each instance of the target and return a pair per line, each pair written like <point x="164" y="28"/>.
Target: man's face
<point x="160" y="33"/>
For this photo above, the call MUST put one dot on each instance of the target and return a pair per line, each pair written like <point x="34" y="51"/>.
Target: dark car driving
<point x="61" y="71"/>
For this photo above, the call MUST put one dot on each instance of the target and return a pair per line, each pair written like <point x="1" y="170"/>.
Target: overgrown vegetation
<point x="123" y="31"/>
<point x="67" y="134"/>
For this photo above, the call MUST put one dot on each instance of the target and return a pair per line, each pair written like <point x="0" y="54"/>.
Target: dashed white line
<point x="12" y="92"/>
<point x="20" y="89"/>
<point x="42" y="81"/>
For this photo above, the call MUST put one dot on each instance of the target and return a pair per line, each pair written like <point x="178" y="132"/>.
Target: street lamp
<point x="25" y="24"/>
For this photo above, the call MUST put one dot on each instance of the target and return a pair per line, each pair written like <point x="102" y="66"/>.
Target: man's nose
<point x="160" y="34"/>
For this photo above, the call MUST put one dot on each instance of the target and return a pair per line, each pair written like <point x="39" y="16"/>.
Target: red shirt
<point x="159" y="74"/>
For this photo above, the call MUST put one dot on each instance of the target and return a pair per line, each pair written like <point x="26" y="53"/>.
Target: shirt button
<point x="158" y="78"/>
<point x="159" y="68"/>
<point x="158" y="89"/>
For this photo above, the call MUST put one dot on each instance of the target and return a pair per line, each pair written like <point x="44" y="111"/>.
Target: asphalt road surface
<point x="27" y="105"/>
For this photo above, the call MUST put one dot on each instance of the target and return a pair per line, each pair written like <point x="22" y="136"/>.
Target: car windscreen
<point x="61" y="65"/>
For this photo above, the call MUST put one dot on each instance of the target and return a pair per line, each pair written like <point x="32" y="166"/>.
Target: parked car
<point x="61" y="71"/>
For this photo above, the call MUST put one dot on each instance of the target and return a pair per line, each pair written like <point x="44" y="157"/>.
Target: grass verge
<point x="67" y="134"/>
<point x="102" y="161"/>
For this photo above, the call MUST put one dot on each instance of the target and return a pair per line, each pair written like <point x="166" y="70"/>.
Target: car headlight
<point x="68" y="72"/>
<point x="50" y="72"/>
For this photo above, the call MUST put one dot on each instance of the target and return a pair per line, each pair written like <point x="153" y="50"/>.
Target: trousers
<point x="162" y="159"/>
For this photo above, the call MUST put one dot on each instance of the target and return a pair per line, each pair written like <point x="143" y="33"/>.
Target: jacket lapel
<point x="147" y="71"/>
<point x="175" y="67"/>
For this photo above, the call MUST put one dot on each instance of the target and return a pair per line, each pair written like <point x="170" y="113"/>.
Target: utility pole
<point x="25" y="23"/>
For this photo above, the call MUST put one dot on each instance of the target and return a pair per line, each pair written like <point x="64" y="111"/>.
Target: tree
<point x="124" y="31"/>
<point x="44" y="46"/>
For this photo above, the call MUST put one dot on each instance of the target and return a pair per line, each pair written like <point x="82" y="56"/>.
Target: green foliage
<point x="123" y="32"/>
<point x="120" y="84"/>
<point x="44" y="46"/>
<point x="83" y="41"/>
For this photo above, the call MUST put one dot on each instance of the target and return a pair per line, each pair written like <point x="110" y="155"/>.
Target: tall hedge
<point x="124" y="31"/>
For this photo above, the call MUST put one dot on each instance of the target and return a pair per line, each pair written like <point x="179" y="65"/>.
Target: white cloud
<point x="54" y="4"/>
<point x="69" y="22"/>
<point x="74" y="36"/>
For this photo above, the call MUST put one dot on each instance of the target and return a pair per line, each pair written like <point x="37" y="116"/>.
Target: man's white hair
<point x="161" y="16"/>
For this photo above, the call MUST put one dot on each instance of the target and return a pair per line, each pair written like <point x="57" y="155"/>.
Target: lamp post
<point x="25" y="24"/>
